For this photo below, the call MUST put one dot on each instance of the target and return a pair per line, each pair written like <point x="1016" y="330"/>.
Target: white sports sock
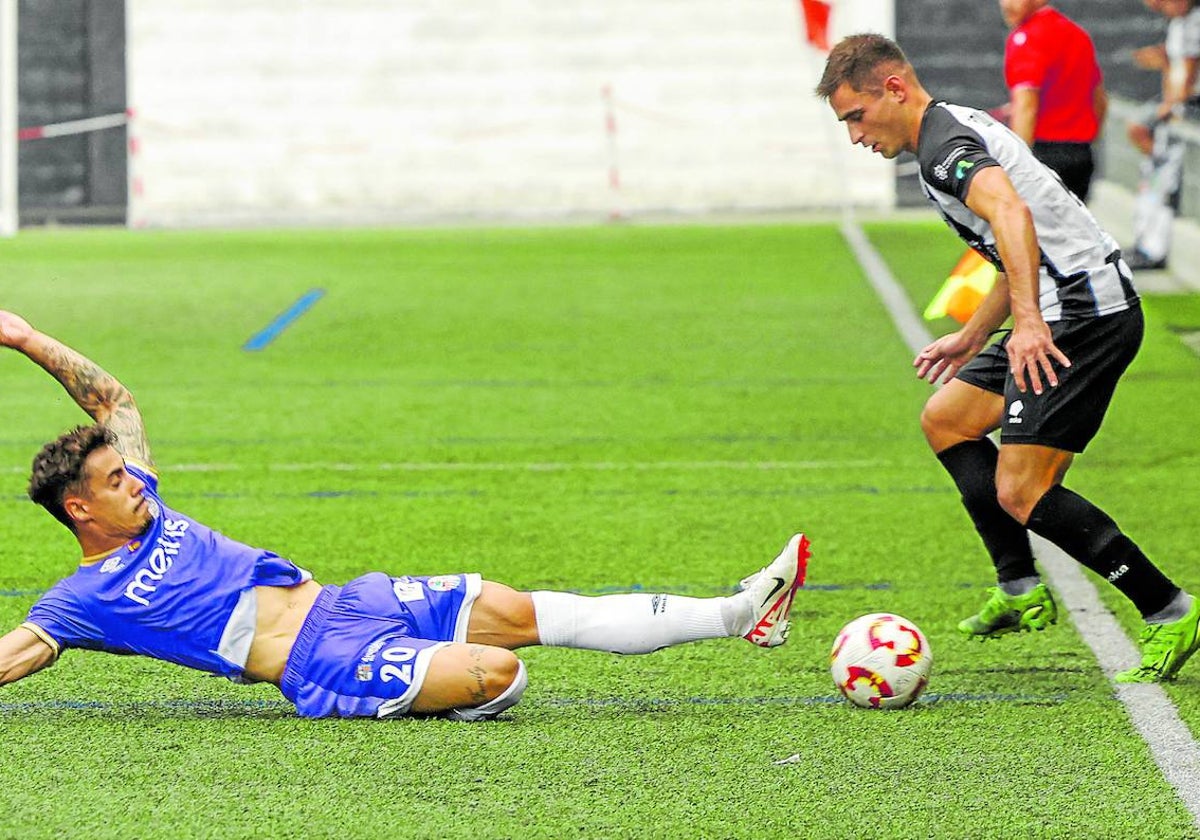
<point x="630" y="623"/>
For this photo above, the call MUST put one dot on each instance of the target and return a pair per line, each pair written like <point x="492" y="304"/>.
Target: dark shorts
<point x="365" y="647"/>
<point x="1066" y="417"/>
<point x="1073" y="162"/>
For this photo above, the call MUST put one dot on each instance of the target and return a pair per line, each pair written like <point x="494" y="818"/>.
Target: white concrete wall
<point x="361" y="111"/>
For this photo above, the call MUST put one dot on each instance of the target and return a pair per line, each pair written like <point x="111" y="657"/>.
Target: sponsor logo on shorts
<point x="372" y="649"/>
<point x="364" y="673"/>
<point x="1014" y="413"/>
<point x="443" y="583"/>
<point x="408" y="590"/>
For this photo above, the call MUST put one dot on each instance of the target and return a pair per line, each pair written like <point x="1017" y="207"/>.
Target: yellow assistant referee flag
<point x="965" y="288"/>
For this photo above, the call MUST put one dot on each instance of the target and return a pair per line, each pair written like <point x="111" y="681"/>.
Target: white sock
<point x="1177" y="609"/>
<point x="630" y="623"/>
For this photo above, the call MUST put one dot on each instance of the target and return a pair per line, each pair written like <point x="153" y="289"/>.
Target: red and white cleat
<point x="772" y="591"/>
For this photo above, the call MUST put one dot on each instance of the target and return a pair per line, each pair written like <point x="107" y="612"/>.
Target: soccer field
<point x="593" y="409"/>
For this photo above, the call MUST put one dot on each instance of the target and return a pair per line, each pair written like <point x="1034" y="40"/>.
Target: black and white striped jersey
<point x="1082" y="274"/>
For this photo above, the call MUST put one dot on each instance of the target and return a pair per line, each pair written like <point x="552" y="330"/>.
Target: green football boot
<point x="1165" y="648"/>
<point x="1035" y="610"/>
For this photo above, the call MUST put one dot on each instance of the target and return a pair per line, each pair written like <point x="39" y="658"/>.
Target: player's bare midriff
<point x="281" y="613"/>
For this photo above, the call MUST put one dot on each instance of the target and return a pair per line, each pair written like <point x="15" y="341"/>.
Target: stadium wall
<point x="372" y="111"/>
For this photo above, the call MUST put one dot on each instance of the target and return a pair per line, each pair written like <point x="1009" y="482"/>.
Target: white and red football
<point x="881" y="661"/>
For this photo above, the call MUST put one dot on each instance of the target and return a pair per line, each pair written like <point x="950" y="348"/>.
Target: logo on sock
<point x="1116" y="573"/>
<point x="658" y="604"/>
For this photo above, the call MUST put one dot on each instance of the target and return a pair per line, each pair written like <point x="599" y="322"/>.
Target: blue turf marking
<point x="282" y="321"/>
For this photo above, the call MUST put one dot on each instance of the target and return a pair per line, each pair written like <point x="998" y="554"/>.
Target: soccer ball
<point x="881" y="661"/>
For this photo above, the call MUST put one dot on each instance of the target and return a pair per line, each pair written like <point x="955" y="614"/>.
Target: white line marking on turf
<point x="1153" y="714"/>
<point x="522" y="466"/>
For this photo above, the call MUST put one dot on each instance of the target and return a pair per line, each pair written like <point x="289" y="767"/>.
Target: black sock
<point x="972" y="465"/>
<point x="1089" y="535"/>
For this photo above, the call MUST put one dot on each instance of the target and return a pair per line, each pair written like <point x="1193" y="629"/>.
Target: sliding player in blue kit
<point x="156" y="582"/>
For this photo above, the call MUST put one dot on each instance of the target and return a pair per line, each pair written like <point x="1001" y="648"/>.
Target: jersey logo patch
<point x="112" y="564"/>
<point x="443" y="583"/>
<point x="942" y="170"/>
<point x="408" y="590"/>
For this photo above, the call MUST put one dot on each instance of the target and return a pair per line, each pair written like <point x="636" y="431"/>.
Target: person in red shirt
<point x="1057" y="100"/>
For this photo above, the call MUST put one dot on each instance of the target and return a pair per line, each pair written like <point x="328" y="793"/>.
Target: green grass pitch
<point x="594" y="409"/>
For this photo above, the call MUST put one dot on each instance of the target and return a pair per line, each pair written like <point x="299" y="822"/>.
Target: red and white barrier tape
<point x="82" y="126"/>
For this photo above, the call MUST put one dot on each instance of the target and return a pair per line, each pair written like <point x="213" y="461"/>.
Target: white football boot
<point x="772" y="590"/>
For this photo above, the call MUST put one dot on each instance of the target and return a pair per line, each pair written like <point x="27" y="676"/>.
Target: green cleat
<point x="1035" y="610"/>
<point x="1165" y="648"/>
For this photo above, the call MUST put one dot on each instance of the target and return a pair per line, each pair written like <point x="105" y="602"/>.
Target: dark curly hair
<point x="58" y="468"/>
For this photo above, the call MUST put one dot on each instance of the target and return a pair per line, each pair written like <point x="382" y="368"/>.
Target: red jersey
<point x="1052" y="53"/>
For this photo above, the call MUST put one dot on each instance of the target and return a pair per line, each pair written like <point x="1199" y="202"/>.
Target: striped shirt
<point x="1081" y="272"/>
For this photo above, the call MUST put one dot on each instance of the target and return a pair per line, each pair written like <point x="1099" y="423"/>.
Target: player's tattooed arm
<point x="96" y="391"/>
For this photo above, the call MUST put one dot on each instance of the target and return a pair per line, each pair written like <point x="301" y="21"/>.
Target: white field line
<point x="523" y="466"/>
<point x="1153" y="714"/>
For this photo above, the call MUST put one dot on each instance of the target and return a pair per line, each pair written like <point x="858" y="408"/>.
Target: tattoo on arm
<point x="101" y="395"/>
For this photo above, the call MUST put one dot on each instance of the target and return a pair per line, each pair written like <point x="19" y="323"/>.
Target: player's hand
<point x="941" y="359"/>
<point x="1031" y="353"/>
<point x="14" y="330"/>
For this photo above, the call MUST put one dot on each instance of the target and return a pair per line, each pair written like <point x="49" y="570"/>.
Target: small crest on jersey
<point x="408" y="590"/>
<point x="443" y="583"/>
<point x="112" y="564"/>
<point x="941" y="171"/>
<point x="364" y="673"/>
<point x="152" y="506"/>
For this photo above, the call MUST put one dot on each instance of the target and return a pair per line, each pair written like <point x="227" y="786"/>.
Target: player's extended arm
<point x="22" y="652"/>
<point x="96" y="391"/>
<point x="1030" y="347"/>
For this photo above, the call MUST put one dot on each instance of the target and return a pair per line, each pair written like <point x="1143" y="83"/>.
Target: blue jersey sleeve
<point x="144" y="474"/>
<point x="62" y="617"/>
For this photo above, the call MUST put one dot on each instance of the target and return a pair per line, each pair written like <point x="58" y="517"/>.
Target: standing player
<point x="1076" y="325"/>
<point x="1178" y="59"/>
<point x="1057" y="100"/>
<point x="158" y="583"/>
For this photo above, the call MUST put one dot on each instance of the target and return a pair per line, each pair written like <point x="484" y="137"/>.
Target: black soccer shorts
<point x="1068" y="416"/>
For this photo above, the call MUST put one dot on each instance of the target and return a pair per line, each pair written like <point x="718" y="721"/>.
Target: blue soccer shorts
<point x="365" y="647"/>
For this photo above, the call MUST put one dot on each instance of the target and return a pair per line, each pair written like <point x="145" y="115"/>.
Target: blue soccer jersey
<point x="180" y="592"/>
